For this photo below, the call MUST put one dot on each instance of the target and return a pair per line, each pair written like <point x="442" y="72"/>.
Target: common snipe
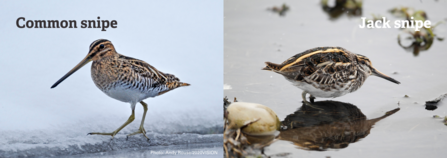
<point x="124" y="78"/>
<point x="327" y="72"/>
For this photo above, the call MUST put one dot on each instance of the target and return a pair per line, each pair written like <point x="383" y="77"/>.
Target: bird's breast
<point x="105" y="73"/>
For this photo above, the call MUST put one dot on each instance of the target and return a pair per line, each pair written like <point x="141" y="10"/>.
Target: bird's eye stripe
<point x="97" y="42"/>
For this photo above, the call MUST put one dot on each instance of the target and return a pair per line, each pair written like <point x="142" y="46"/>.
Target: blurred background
<point x="267" y="30"/>
<point x="183" y="38"/>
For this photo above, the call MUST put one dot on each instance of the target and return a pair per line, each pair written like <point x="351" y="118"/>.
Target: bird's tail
<point x="173" y="85"/>
<point x="184" y="84"/>
<point x="272" y="66"/>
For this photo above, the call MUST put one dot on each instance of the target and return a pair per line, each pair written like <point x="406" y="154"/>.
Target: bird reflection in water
<point x="336" y="127"/>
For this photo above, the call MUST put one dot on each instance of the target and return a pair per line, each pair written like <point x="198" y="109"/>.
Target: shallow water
<point x="254" y="35"/>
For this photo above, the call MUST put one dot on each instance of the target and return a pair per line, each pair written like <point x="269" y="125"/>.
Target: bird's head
<point x="367" y="67"/>
<point x="98" y="49"/>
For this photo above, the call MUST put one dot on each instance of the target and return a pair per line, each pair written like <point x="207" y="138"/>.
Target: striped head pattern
<point x="98" y="49"/>
<point x="365" y="65"/>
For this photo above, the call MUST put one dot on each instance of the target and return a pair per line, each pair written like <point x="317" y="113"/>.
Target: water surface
<point x="254" y="35"/>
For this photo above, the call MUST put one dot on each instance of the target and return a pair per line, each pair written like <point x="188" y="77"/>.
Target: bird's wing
<point x="318" y="64"/>
<point x="145" y="70"/>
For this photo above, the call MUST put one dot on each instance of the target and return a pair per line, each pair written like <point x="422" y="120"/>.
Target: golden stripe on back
<point x="315" y="51"/>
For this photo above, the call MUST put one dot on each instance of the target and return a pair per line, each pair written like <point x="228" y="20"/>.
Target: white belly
<point x="129" y="95"/>
<point x="316" y="92"/>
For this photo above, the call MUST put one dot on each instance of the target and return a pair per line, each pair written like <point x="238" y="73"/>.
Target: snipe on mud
<point x="326" y="72"/>
<point x="124" y="78"/>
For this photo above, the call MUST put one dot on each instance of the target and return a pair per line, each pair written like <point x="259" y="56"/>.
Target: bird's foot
<point x="306" y="102"/>
<point x="311" y="99"/>
<point x="140" y="130"/>
<point x="109" y="134"/>
<point x="311" y="105"/>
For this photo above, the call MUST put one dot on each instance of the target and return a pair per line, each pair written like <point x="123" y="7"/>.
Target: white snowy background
<point x="184" y="38"/>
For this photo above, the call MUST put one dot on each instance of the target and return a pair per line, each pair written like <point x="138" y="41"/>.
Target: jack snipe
<point x="327" y="72"/>
<point x="124" y="78"/>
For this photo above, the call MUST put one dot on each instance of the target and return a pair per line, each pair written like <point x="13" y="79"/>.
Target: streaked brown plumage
<point x="124" y="78"/>
<point x="114" y="68"/>
<point x="327" y="72"/>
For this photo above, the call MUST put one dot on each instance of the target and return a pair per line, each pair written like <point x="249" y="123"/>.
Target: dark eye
<point x="101" y="46"/>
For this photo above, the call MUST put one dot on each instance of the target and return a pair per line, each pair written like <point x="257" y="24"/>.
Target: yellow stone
<point x="241" y="113"/>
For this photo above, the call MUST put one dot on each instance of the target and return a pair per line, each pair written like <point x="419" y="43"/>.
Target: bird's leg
<point x="131" y="118"/>
<point x="306" y="102"/>
<point x="141" y="130"/>
<point x="311" y="99"/>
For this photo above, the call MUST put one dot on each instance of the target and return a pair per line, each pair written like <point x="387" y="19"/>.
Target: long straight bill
<point x="76" y="68"/>
<point x="380" y="74"/>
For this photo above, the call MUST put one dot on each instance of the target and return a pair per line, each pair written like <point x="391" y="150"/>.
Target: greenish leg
<point x="306" y="102"/>
<point x="131" y="118"/>
<point x="141" y="130"/>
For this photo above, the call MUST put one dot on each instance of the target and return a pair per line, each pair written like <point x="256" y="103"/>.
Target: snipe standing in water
<point x="124" y="78"/>
<point x="327" y="72"/>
